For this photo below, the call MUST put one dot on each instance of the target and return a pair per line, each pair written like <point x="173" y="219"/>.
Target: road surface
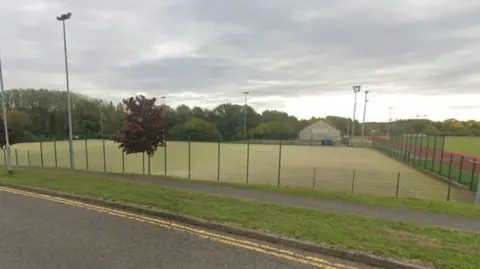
<point x="45" y="232"/>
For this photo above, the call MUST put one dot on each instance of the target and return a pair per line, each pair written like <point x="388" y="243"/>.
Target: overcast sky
<point x="300" y="56"/>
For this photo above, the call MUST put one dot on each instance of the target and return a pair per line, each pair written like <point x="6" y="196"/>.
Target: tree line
<point x="41" y="114"/>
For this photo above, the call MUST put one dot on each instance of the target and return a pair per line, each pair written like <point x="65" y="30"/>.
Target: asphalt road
<point x="39" y="233"/>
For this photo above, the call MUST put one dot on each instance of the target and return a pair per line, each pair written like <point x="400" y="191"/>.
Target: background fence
<point x="428" y="153"/>
<point x="339" y="169"/>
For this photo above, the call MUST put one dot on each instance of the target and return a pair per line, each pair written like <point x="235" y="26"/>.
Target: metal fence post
<point x="4" y="157"/>
<point x="189" y="156"/>
<point x="450" y="166"/>
<point x="149" y="164"/>
<point x="41" y="153"/>
<point x="165" y="157"/>
<point x="16" y="157"/>
<point x="410" y="142"/>
<point x="397" y="145"/>
<point x="398" y="184"/>
<point x="473" y="173"/>
<point x="248" y="159"/>
<point x="143" y="163"/>
<point x="123" y="161"/>
<point x="441" y="164"/>
<point x="104" y="156"/>
<point x="427" y="149"/>
<point x="443" y="153"/>
<point x="353" y="181"/>
<point x="449" y="189"/>
<point x="314" y="177"/>
<point x="420" y="152"/>
<point x="279" y="163"/>
<point x="415" y="150"/>
<point x="462" y="158"/>
<point x="28" y="157"/>
<point x="434" y="153"/>
<point x="55" y="152"/>
<point x="218" y="162"/>
<point x="86" y="154"/>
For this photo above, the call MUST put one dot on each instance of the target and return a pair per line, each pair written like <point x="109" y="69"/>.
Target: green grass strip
<point x="450" y="208"/>
<point x="435" y="246"/>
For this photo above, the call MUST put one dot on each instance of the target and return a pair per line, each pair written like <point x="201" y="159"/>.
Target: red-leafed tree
<point x="143" y="128"/>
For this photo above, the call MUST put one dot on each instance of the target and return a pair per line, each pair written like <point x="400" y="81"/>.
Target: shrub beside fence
<point x="428" y="153"/>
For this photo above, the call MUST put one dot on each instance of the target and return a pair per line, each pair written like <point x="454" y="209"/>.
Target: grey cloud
<point x="306" y="47"/>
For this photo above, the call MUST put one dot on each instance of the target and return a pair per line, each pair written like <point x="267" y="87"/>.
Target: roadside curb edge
<point x="364" y="258"/>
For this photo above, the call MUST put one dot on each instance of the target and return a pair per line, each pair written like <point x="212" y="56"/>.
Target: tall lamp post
<point x="245" y="117"/>
<point x="364" y="114"/>
<point x="356" y="90"/>
<point x="63" y="18"/>
<point x="5" y="124"/>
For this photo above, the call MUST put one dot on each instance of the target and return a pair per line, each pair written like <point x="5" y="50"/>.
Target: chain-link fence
<point x="428" y="153"/>
<point x="280" y="163"/>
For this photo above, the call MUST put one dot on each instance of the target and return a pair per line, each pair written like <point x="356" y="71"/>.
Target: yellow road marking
<point x="268" y="250"/>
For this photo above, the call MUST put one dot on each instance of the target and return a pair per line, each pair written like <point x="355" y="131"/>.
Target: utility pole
<point x="356" y="90"/>
<point x="245" y="117"/>
<point x="5" y="123"/>
<point x="364" y="114"/>
<point x="63" y="18"/>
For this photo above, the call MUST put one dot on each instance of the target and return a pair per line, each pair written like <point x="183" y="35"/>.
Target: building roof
<point x="319" y="123"/>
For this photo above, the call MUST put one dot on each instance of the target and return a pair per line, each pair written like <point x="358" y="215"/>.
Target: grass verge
<point x="442" y="248"/>
<point x="450" y="208"/>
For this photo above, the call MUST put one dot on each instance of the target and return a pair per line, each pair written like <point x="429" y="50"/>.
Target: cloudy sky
<point x="301" y="56"/>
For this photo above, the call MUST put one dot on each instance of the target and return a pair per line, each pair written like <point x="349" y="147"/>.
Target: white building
<point x="319" y="130"/>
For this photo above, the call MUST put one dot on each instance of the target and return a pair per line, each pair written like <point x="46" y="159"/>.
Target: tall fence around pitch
<point x="278" y="163"/>
<point x="428" y="153"/>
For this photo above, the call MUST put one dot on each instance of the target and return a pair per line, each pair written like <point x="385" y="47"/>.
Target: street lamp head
<point x="64" y="17"/>
<point x="246" y="93"/>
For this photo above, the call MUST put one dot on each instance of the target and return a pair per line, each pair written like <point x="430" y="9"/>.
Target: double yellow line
<point x="265" y="249"/>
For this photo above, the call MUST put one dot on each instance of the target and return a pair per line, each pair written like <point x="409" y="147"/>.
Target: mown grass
<point x="450" y="208"/>
<point x="442" y="248"/>
<point x="463" y="144"/>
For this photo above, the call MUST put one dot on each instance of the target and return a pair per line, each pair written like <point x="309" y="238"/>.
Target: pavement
<point x="330" y="205"/>
<point x="337" y="206"/>
<point x="38" y="231"/>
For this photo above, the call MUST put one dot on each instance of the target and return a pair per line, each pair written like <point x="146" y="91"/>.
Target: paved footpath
<point x="39" y="232"/>
<point x="419" y="217"/>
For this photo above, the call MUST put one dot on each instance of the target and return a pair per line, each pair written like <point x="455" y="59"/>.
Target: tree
<point x="143" y="129"/>
<point x="430" y="129"/>
<point x="3" y="140"/>
<point x="201" y="130"/>
<point x="18" y="123"/>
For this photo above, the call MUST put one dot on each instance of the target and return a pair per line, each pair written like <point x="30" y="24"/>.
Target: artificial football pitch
<point x="345" y="169"/>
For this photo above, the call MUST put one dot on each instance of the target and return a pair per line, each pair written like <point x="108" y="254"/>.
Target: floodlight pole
<point x="356" y="90"/>
<point x="245" y="117"/>
<point x="364" y="114"/>
<point x="63" y="18"/>
<point x="5" y="124"/>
